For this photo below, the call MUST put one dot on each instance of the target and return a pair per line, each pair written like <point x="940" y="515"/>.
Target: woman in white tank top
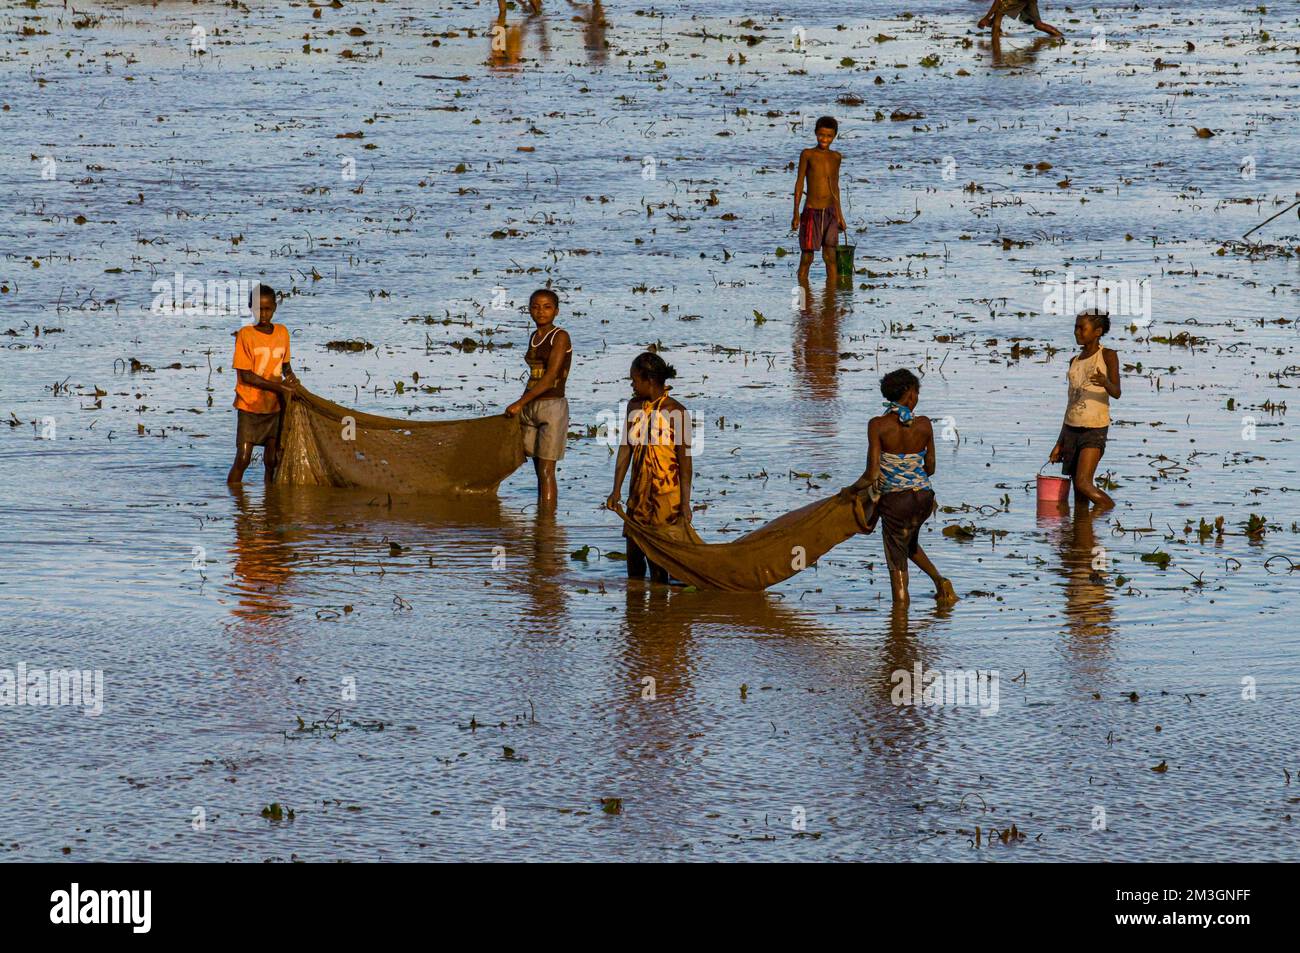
<point x="1093" y="379"/>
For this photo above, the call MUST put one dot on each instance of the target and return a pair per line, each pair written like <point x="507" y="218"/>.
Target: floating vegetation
<point x="331" y="726"/>
<point x="1181" y="339"/>
<point x="275" y="811"/>
<point x="351" y="346"/>
<point x="1158" y="558"/>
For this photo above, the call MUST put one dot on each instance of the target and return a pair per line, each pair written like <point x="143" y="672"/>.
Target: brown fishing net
<point x="770" y="554"/>
<point x="326" y="444"/>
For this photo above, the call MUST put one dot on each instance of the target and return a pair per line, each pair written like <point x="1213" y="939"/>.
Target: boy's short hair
<point x="555" y="298"/>
<point x="1099" y="319"/>
<point x="255" y="294"/>
<point x="827" y="122"/>
<point x="897" y="383"/>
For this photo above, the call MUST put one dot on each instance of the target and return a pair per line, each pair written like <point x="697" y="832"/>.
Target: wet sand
<point x="507" y="675"/>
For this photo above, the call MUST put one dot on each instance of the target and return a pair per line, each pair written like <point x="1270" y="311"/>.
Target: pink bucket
<point x="1052" y="489"/>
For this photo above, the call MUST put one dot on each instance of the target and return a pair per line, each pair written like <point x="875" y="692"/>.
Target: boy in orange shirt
<point x="263" y="377"/>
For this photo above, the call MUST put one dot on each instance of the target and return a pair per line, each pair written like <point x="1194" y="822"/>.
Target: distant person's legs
<point x="805" y="265"/>
<point x="831" y="259"/>
<point x="943" y="590"/>
<point x="1085" y="488"/>
<point x="271" y="458"/>
<point x="243" y="457"/>
<point x="546" y="490"/>
<point x="636" y="561"/>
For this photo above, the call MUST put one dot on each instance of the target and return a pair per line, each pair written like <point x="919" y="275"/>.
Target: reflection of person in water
<point x="1018" y="56"/>
<point x="506" y="43"/>
<point x="658" y="643"/>
<point x="662" y="624"/>
<point x="544" y="578"/>
<point x="816" y="360"/>
<point x="535" y="5"/>
<point x="1088" y="607"/>
<point x="262" y="559"/>
<point x="817" y="343"/>
<point x="593" y="32"/>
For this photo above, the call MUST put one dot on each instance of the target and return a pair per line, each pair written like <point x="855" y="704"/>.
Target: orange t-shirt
<point x="263" y="354"/>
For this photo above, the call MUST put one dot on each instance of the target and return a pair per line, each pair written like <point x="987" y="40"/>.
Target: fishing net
<point x="326" y="444"/>
<point x="770" y="554"/>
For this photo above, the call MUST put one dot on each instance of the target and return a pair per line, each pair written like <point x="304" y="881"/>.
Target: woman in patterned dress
<point x="656" y="445"/>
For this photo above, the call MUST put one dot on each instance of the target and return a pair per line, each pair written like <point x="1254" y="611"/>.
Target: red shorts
<point x="818" y="227"/>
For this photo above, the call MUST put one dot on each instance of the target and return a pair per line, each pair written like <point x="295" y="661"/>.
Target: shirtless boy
<point x="822" y="219"/>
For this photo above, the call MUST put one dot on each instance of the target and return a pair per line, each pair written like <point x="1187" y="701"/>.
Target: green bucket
<point x="844" y="260"/>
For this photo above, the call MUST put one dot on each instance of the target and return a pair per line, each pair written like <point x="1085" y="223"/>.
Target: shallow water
<point x="228" y="166"/>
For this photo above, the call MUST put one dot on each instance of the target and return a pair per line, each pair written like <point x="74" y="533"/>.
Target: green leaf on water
<point x="580" y="554"/>
<point x="1160" y="558"/>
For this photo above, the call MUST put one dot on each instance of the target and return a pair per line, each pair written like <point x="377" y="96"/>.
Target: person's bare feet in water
<point x="944" y="593"/>
<point x="1049" y="30"/>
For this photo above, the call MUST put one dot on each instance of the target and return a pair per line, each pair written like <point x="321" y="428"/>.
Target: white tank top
<point x="1088" y="405"/>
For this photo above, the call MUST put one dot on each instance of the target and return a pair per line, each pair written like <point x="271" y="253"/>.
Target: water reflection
<point x="593" y="32"/>
<point x="658" y="639"/>
<point x="816" y="363"/>
<point x="262" y="560"/>
<point x="817" y="342"/>
<point x="547" y="555"/>
<point x="506" y="42"/>
<point x="1089" y="605"/>
<point x="299" y="545"/>
<point x="1015" y="57"/>
<point x="905" y="647"/>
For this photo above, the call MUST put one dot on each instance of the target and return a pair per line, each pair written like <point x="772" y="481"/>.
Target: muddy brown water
<point x="655" y="196"/>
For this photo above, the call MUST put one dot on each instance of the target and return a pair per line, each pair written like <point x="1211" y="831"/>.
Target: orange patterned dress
<point x="655" y="496"/>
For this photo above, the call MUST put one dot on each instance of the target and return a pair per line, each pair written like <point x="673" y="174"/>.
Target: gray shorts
<point x="545" y="425"/>
<point x="257" y="429"/>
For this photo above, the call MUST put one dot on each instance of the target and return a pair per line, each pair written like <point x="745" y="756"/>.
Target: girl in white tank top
<point x="1093" y="378"/>
<point x="1089" y="403"/>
